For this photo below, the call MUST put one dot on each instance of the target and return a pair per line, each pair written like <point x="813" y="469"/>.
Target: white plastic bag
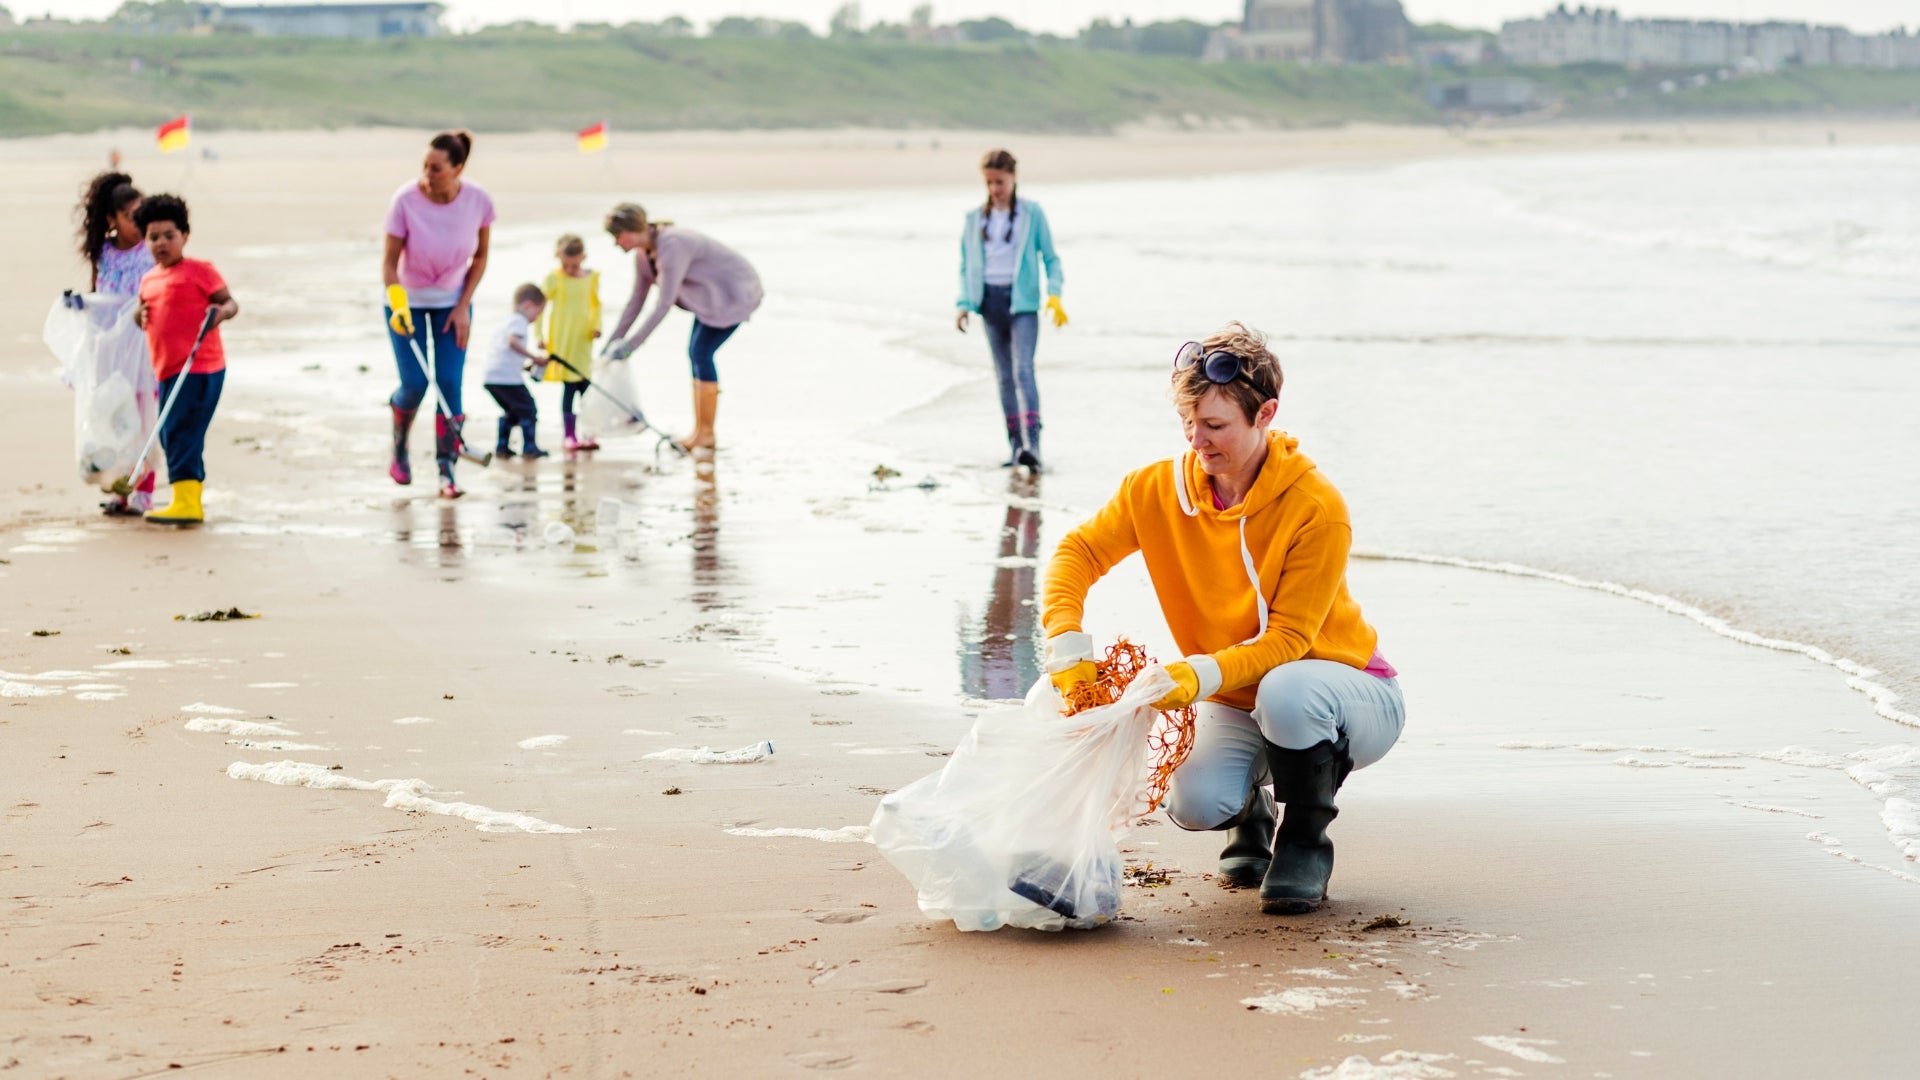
<point x="1022" y="827"/>
<point x="598" y="412"/>
<point x="103" y="356"/>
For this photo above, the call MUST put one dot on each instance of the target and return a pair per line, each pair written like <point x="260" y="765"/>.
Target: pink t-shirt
<point x="440" y="240"/>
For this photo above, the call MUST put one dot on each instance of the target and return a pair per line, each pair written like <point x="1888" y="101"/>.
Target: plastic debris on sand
<point x="707" y="755"/>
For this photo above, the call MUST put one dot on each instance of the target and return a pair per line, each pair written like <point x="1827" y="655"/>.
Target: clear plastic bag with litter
<point x="103" y="356"/>
<point x="603" y="410"/>
<point x="1023" y="826"/>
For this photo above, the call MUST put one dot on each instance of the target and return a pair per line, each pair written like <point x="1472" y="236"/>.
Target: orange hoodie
<point x="1289" y="537"/>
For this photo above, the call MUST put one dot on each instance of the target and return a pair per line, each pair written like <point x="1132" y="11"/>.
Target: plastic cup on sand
<point x="606" y="518"/>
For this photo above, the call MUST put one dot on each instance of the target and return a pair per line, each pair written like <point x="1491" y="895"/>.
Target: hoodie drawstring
<point x="1188" y="508"/>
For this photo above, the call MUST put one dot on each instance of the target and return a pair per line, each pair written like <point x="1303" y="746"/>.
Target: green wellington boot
<point x="1296" y="882"/>
<point x="1249" y="850"/>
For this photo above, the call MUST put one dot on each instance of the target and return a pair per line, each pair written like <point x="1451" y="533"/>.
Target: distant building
<point x="1277" y="30"/>
<point x="1327" y="31"/>
<point x="1484" y="95"/>
<point x="1363" y="31"/>
<point x="356" y="21"/>
<point x="1598" y="35"/>
<point x="1466" y="52"/>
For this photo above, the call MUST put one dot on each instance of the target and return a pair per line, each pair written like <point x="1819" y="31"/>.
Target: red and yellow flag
<point x="593" y="139"/>
<point x="175" y="134"/>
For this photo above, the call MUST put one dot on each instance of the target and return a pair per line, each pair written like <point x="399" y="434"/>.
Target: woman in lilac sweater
<point x="695" y="272"/>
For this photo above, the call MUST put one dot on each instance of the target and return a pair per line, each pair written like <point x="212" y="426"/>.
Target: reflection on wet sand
<point x="445" y="538"/>
<point x="709" y="567"/>
<point x="1000" y="651"/>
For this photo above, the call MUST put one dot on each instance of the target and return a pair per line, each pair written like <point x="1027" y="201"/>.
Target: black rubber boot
<point x="1029" y="454"/>
<point x="1296" y="882"/>
<point x="1249" y="850"/>
<point x="1014" y="445"/>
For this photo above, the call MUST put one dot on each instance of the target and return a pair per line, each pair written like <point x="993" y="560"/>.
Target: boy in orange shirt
<point x="175" y="297"/>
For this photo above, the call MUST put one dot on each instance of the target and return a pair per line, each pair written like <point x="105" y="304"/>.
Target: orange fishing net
<point x="1171" y="739"/>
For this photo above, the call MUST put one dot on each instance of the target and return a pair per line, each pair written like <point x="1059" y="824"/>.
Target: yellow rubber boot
<point x="185" y="507"/>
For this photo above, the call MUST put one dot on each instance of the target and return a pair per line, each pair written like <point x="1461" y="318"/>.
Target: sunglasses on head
<point x="1220" y="367"/>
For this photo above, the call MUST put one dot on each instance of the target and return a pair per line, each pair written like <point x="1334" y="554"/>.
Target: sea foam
<point x="1395" y="1065"/>
<point x="409" y="795"/>
<point x="1859" y="676"/>
<point x="846" y="834"/>
<point x="220" y="725"/>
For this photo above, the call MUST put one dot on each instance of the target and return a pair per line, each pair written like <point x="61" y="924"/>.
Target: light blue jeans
<point x="1012" y="338"/>
<point x="1299" y="706"/>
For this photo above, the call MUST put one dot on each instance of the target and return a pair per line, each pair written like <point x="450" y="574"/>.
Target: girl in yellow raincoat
<point x="572" y="322"/>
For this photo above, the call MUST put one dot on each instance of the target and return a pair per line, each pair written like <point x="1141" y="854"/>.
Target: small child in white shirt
<point x="508" y="359"/>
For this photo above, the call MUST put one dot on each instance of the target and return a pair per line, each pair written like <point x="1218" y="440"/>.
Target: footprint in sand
<point x="822" y="1059"/>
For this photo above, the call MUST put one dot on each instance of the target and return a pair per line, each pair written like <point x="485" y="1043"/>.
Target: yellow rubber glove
<point x="1186" y="687"/>
<point x="1057" y="311"/>
<point x="1079" y="673"/>
<point x="402" y="319"/>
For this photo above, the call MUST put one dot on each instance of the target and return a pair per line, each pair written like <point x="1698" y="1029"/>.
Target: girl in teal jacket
<point x="1005" y="248"/>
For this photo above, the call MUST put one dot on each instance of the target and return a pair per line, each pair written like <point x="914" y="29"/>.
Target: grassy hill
<point x="76" y="80"/>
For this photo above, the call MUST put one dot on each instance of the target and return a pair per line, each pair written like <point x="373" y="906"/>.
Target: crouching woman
<point x="1246" y="543"/>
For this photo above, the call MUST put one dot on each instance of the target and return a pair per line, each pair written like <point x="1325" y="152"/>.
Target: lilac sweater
<point x="696" y="272"/>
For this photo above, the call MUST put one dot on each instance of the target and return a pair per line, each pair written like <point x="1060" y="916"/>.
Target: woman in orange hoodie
<point x="1246" y="543"/>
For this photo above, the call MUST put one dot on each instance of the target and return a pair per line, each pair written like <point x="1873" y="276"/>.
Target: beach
<point x="1624" y="840"/>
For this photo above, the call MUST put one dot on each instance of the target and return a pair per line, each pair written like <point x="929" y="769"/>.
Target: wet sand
<point x="1584" y="895"/>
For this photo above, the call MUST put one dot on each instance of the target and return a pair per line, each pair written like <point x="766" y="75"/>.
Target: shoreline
<point x="1632" y="855"/>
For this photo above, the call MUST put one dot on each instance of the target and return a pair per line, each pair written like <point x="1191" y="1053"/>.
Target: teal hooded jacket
<point x="1033" y="255"/>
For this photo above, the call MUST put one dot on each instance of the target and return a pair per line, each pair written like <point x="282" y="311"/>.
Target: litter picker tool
<point x="433" y="383"/>
<point x="633" y="412"/>
<point x="123" y="487"/>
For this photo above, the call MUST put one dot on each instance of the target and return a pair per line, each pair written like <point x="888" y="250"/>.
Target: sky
<point x="1064" y="16"/>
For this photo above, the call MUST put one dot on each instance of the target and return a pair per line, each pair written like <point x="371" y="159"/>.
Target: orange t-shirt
<point x="177" y="298"/>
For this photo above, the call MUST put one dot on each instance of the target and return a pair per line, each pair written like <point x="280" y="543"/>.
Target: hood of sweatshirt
<point x="1284" y="466"/>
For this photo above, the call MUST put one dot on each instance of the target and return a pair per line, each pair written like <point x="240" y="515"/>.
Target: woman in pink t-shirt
<point x="437" y="231"/>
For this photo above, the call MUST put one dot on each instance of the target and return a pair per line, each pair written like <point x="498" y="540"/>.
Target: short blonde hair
<point x="569" y="244"/>
<point x="528" y="294"/>
<point x="1257" y="363"/>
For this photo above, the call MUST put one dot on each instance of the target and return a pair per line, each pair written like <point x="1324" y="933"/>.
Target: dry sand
<point x="162" y="916"/>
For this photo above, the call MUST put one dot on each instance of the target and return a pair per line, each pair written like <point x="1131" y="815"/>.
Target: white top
<point x="504" y="367"/>
<point x="1000" y="253"/>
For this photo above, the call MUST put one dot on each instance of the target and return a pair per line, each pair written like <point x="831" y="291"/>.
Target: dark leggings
<point x="705" y="342"/>
<point x="569" y="391"/>
<point x="516" y="401"/>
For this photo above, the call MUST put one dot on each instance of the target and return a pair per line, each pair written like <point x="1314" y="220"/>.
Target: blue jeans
<point x="1013" y="339"/>
<point x="184" y="434"/>
<point x="705" y="342"/>
<point x="449" y="359"/>
<point x="1299" y="706"/>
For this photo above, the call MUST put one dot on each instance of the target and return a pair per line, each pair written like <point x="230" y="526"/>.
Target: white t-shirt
<point x="1000" y="254"/>
<point x="504" y="367"/>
